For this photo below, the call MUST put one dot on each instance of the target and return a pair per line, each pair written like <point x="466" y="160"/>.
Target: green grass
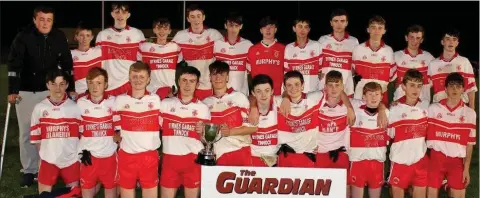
<point x="9" y="185"/>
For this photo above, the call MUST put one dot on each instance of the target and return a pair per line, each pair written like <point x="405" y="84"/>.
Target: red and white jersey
<point x="333" y="130"/>
<point x="197" y="50"/>
<point x="235" y="55"/>
<point x="337" y="55"/>
<point x="138" y="121"/>
<point x="96" y="126"/>
<point x="367" y="141"/>
<point x="268" y="60"/>
<point x="405" y="61"/>
<point x="179" y="120"/>
<point x="439" y="69"/>
<point x="265" y="139"/>
<point x="162" y="60"/>
<point x="82" y="63"/>
<point x="119" y="51"/>
<point x="55" y="127"/>
<point x="407" y="128"/>
<point x="231" y="109"/>
<point x="306" y="60"/>
<point x="450" y="130"/>
<point x="299" y="130"/>
<point x="374" y="66"/>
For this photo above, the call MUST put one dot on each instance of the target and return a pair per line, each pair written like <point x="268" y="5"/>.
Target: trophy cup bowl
<point x="209" y="136"/>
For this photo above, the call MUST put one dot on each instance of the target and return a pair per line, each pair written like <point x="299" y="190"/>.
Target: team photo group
<point x="127" y="113"/>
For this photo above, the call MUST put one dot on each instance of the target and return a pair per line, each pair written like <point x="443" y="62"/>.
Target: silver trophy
<point x="210" y="135"/>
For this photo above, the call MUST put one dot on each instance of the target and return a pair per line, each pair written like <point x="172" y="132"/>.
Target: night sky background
<point x="399" y="15"/>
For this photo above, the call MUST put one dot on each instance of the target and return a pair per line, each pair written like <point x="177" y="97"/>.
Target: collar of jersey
<point x="444" y="103"/>
<point x="58" y="103"/>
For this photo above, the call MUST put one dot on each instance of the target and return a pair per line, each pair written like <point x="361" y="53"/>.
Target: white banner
<point x="262" y="182"/>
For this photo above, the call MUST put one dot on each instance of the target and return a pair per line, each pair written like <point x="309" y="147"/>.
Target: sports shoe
<point x="28" y="179"/>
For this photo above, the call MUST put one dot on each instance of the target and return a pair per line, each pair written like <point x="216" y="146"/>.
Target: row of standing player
<point x="373" y="60"/>
<point x="311" y="132"/>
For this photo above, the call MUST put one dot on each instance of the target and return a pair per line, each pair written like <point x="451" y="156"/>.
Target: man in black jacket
<point x="35" y="50"/>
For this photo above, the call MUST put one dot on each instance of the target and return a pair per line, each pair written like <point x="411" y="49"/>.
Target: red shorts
<point x="48" y="173"/>
<point x="102" y="169"/>
<point x="120" y="90"/>
<point x="203" y="93"/>
<point x="258" y="162"/>
<point x="403" y="176"/>
<point x="139" y="166"/>
<point x="298" y="160"/>
<point x="324" y="161"/>
<point x="180" y="170"/>
<point x="368" y="172"/>
<point x="241" y="157"/>
<point x="441" y="166"/>
<point x="162" y="92"/>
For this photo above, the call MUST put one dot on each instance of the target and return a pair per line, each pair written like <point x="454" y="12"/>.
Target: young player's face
<point x="414" y="39"/>
<point x="301" y="29"/>
<point x="263" y="93"/>
<point x="84" y="37"/>
<point x="43" y="22"/>
<point x="196" y="18"/>
<point x="97" y="86"/>
<point x="294" y="87"/>
<point x="233" y="29"/>
<point x="187" y="83"/>
<point x="334" y="89"/>
<point x="58" y="87"/>
<point x="139" y="79"/>
<point x="120" y="16"/>
<point x="454" y="91"/>
<point x="373" y="98"/>
<point x="162" y="31"/>
<point x="449" y="43"/>
<point x="339" y="23"/>
<point x="219" y="80"/>
<point x="412" y="89"/>
<point x="376" y="31"/>
<point x="268" y="31"/>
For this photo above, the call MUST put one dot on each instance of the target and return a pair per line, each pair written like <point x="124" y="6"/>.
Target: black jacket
<point x="32" y="55"/>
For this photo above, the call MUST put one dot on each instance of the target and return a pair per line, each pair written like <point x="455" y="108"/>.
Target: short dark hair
<point x="293" y="74"/>
<point x="301" y="19"/>
<point x="83" y="26"/>
<point x="192" y="8"/>
<point x="234" y="17"/>
<point x="415" y="29"/>
<point x="219" y="67"/>
<point x="334" y="76"/>
<point x="412" y="75"/>
<point x="268" y="20"/>
<point x="121" y="6"/>
<point x="261" y="79"/>
<point x="140" y="66"/>
<point x="451" y="32"/>
<point x="377" y="19"/>
<point x="54" y="73"/>
<point x="43" y="9"/>
<point x="338" y="12"/>
<point x="454" y="78"/>
<point x="189" y="70"/>
<point x="162" y="22"/>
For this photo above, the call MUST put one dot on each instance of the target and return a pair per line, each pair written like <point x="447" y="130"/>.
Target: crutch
<point x="4" y="138"/>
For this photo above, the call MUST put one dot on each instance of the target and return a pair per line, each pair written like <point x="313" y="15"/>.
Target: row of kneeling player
<point x="114" y="140"/>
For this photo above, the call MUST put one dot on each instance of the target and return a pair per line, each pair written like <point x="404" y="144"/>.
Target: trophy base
<point x="206" y="159"/>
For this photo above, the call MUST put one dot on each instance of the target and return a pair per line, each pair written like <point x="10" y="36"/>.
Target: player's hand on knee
<point x="14" y="98"/>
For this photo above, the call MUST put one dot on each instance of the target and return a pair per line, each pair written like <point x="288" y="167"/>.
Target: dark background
<point x="434" y="16"/>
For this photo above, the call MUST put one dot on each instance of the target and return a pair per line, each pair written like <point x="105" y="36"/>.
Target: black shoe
<point x="27" y="180"/>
